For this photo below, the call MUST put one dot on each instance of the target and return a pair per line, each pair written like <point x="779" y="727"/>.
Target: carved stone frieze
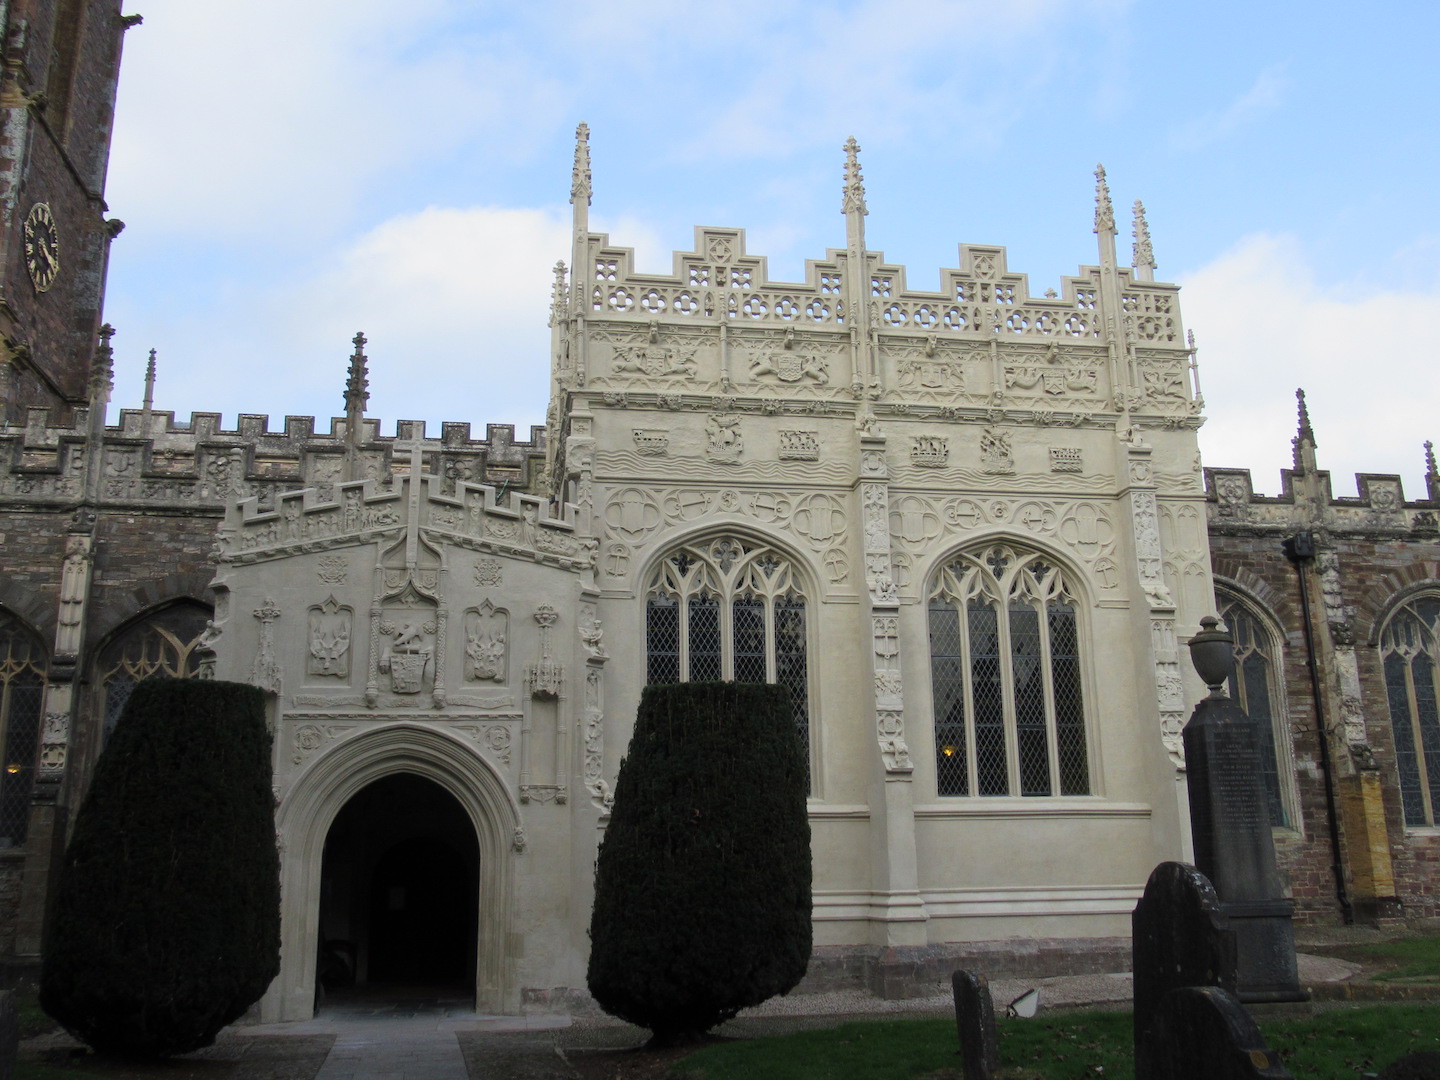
<point x="930" y="451"/>
<point x="789" y="367"/>
<point x="652" y="442"/>
<point x="996" y="455"/>
<point x="1066" y="459"/>
<point x="724" y="441"/>
<point x="799" y="446"/>
<point x="333" y="569"/>
<point x="654" y="361"/>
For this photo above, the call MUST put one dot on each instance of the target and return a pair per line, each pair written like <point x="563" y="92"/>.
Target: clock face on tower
<point x="42" y="247"/>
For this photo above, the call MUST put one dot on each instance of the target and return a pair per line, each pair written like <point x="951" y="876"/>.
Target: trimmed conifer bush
<point x="702" y="885"/>
<point x="166" y="925"/>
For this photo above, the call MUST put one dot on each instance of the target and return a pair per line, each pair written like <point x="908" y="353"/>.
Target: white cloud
<point x="1264" y="96"/>
<point x="281" y="117"/>
<point x="1367" y="359"/>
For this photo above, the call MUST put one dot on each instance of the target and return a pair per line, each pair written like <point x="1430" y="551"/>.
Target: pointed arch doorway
<point x="399" y="893"/>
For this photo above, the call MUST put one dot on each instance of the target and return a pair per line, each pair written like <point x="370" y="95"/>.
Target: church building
<point x="968" y="530"/>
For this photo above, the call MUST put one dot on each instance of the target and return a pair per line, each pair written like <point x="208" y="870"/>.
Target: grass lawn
<point x="1415" y="959"/>
<point x="1341" y="1042"/>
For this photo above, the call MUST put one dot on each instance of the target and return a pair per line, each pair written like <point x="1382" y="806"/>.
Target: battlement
<point x="981" y="297"/>
<point x="151" y="458"/>
<point x="478" y="516"/>
<point x="1381" y="504"/>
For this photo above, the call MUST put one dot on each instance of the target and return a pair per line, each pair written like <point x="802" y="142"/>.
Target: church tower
<point x="59" y="64"/>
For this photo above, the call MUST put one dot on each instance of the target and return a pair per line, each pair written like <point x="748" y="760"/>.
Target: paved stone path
<point x="414" y="1039"/>
<point x="433" y="1038"/>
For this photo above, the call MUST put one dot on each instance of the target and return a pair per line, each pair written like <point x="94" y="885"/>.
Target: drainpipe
<point x="1300" y="550"/>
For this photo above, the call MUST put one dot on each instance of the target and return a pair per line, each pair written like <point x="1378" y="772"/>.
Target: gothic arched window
<point x="729" y="609"/>
<point x="1256" y="686"/>
<point x="1409" y="651"/>
<point x="22" y="696"/>
<point x="1006" y="675"/>
<point x="161" y="643"/>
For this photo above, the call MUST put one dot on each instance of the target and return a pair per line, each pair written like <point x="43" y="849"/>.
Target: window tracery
<point x="23" y="665"/>
<point x="160" y="643"/>
<point x="1006" y="676"/>
<point x="1259" y="689"/>
<point x="729" y="609"/>
<point x="1409" y="653"/>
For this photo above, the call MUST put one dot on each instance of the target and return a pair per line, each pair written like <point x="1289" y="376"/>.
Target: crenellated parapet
<point x="1306" y="500"/>
<point x="486" y="518"/>
<point x="718" y="324"/>
<point x="150" y="460"/>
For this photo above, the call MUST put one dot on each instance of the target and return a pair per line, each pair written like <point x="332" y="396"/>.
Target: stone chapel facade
<point x="969" y="530"/>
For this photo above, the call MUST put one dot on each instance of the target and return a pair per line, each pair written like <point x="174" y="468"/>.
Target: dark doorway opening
<point x="399" y="904"/>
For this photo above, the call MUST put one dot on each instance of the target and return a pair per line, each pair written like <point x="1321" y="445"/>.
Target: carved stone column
<point x="1150" y="577"/>
<point x="897" y="907"/>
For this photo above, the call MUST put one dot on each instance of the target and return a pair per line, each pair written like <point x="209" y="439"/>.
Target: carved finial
<point x="559" y="295"/>
<point x="1190" y="339"/>
<point x="102" y="369"/>
<point x="1144" y="257"/>
<point x="580" y="176"/>
<point x="1307" y="433"/>
<point x="854" y="202"/>
<point x="1432" y="474"/>
<point x="1303" y="444"/>
<point x="1104" y="211"/>
<point x="357" y="386"/>
<point x="149" y="402"/>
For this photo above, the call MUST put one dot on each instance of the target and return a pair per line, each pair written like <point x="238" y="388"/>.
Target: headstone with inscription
<point x="975" y="1023"/>
<point x="1180" y="938"/>
<point x="1230" y="826"/>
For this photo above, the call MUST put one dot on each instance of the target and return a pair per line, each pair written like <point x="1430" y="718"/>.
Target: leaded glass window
<point x="1005" y="676"/>
<point x="1409" y="652"/>
<point x="159" y="644"/>
<point x="22" y="696"/>
<point x="729" y="609"/>
<point x="1256" y="686"/>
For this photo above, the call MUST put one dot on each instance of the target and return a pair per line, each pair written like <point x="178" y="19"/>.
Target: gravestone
<point x="1180" y="937"/>
<point x="1230" y="826"/>
<point x="975" y="1023"/>
<point x="1203" y="1033"/>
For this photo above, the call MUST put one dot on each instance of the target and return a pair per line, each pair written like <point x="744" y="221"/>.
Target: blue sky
<point x="292" y="172"/>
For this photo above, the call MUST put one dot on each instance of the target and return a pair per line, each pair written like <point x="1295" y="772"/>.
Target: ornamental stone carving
<point x="408" y="655"/>
<point x="725" y="443"/>
<point x="486" y="632"/>
<point x="546" y="678"/>
<point x="799" y="446"/>
<point x="329" y="632"/>
<point x="995" y="453"/>
<point x="790" y="367"/>
<point x="265" y="670"/>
